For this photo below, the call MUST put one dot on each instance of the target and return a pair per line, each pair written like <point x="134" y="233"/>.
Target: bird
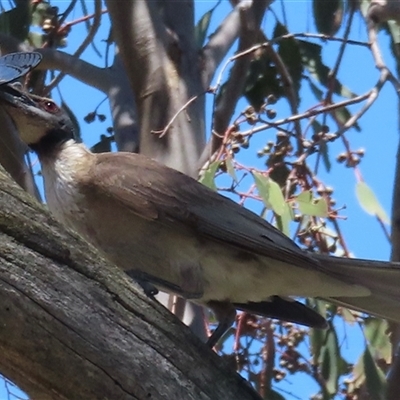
<point x="166" y="229"/>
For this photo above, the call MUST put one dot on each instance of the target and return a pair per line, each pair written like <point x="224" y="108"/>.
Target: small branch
<point x="221" y="41"/>
<point x="334" y="71"/>
<point x="85" y="72"/>
<point x="67" y="11"/>
<point x="224" y="105"/>
<point x="162" y="132"/>
<point x="371" y="97"/>
<point x="86" y="42"/>
<point x="307" y="114"/>
<point x="283" y="37"/>
<point x="290" y="93"/>
<point x="384" y="229"/>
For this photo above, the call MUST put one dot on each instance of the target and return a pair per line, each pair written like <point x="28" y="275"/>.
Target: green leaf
<point x="328" y="15"/>
<point x="329" y="360"/>
<point x="324" y="150"/>
<point x="16" y="21"/>
<point x="343" y="115"/>
<point x="201" y="28"/>
<point x="358" y="374"/>
<point x="318" y="93"/>
<point x="323" y="146"/>
<point x="229" y="167"/>
<point x="309" y="206"/>
<point x="262" y="80"/>
<point x="270" y="193"/>
<point x="348" y="316"/>
<point x="283" y="221"/>
<point x="374" y="377"/>
<point x="289" y="51"/>
<point x="36" y="39"/>
<point x="208" y="176"/>
<point x="312" y="60"/>
<point x="39" y="13"/>
<point x="317" y="336"/>
<point x="394" y="30"/>
<point x="375" y="331"/>
<point x="368" y="201"/>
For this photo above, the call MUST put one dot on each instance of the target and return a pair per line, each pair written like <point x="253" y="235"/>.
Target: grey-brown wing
<point x="162" y="194"/>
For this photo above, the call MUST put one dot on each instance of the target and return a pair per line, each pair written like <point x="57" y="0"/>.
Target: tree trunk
<point x="74" y="327"/>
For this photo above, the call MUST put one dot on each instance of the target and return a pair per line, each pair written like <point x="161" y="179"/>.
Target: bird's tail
<point x="381" y="278"/>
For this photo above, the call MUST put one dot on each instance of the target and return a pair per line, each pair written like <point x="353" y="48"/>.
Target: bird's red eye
<point x="49" y="106"/>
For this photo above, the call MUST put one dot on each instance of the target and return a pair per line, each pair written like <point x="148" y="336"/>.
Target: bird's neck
<point x="52" y="143"/>
<point x="66" y="159"/>
<point x="63" y="171"/>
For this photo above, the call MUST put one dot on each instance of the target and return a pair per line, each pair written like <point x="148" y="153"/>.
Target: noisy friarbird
<point x="165" y="228"/>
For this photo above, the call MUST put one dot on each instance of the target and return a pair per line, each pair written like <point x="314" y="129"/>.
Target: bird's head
<point x="39" y="121"/>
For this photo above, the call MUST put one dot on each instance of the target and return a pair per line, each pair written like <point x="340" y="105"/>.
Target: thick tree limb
<point x="221" y="41"/>
<point x="73" y="326"/>
<point x="123" y="109"/>
<point x="249" y="34"/>
<point x="160" y="67"/>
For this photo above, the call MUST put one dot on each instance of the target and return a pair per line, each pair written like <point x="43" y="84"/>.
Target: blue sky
<point x="379" y="137"/>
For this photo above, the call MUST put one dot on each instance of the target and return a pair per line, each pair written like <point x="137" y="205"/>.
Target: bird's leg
<point x="225" y="313"/>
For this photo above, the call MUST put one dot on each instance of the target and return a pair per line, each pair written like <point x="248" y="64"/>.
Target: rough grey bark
<point x="74" y="327"/>
<point x="163" y="68"/>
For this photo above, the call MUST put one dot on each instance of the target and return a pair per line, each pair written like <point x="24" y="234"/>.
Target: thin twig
<point x="162" y="132"/>
<point x="308" y="114"/>
<point x="334" y="71"/>
<point x="88" y="39"/>
<point x="67" y="11"/>
<point x="283" y="37"/>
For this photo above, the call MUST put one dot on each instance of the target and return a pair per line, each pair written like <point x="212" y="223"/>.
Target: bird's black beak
<point x="11" y="96"/>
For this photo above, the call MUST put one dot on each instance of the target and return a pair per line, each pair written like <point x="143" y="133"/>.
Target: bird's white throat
<point x="61" y="173"/>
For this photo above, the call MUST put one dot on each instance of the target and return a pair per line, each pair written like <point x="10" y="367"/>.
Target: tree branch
<point x="233" y="89"/>
<point x="82" y="47"/>
<point x="75" y="327"/>
<point x="123" y="109"/>
<point x="221" y="41"/>
<point x="85" y="72"/>
<point x="163" y="76"/>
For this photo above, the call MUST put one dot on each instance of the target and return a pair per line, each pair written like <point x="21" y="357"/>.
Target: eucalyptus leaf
<point x="283" y="221"/>
<point x="323" y="146"/>
<point x="289" y="52"/>
<point x="328" y="15"/>
<point x="329" y="360"/>
<point x="229" y="167"/>
<point x="312" y="60"/>
<point x="374" y="377"/>
<point x="309" y="206"/>
<point x="201" y="28"/>
<point x="270" y="193"/>
<point x="208" y="177"/>
<point x="369" y="202"/>
<point x="376" y="332"/>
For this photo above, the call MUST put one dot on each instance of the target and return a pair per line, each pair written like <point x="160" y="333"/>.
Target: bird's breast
<point x="63" y="197"/>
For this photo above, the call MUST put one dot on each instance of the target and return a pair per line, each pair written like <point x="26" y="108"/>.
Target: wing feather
<point x="158" y="193"/>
